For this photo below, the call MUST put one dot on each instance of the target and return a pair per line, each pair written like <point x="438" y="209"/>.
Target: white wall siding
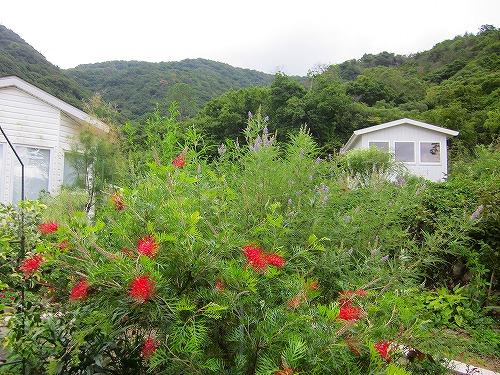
<point x="410" y="133"/>
<point x="28" y="120"/>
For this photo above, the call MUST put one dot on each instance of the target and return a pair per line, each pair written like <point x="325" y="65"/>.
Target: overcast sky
<point x="265" y="35"/>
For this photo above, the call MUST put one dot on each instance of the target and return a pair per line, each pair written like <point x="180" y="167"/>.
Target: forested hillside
<point x="20" y="59"/>
<point x="456" y="84"/>
<point x="137" y="86"/>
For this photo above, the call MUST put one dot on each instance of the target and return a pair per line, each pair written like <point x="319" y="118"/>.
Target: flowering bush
<point x="246" y="265"/>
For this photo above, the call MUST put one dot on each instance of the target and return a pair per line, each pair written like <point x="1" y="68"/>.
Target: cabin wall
<point x="34" y="125"/>
<point x="433" y="171"/>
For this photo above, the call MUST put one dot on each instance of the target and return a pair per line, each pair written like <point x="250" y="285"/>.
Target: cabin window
<point x="430" y="152"/>
<point x="36" y="172"/>
<point x="384" y="146"/>
<point x="404" y="151"/>
<point x="74" y="170"/>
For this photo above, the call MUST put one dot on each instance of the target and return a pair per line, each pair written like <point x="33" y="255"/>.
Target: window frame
<point x="404" y="161"/>
<point x="380" y="141"/>
<point x="13" y="166"/>
<point x="430" y="162"/>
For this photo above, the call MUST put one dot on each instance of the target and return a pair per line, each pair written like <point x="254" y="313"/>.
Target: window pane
<point x="74" y="167"/>
<point x="384" y="146"/>
<point x="404" y="151"/>
<point x="430" y="152"/>
<point x="36" y="172"/>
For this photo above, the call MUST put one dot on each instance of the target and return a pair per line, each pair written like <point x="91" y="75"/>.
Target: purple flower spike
<point x="250" y="115"/>
<point x="265" y="130"/>
<point x="266" y="119"/>
<point x="347" y="219"/>
<point x="476" y="213"/>
<point x="384" y="258"/>
<point x="375" y="252"/>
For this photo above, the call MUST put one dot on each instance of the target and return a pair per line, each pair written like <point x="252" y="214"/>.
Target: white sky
<point x="265" y="35"/>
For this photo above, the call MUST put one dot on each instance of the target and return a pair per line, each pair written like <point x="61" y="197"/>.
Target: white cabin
<point x="420" y="146"/>
<point x="42" y="129"/>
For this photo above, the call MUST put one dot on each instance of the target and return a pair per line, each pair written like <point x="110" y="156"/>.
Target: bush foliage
<point x="268" y="260"/>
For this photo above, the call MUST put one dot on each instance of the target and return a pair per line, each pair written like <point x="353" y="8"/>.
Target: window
<point x="74" y="170"/>
<point x="384" y="146"/>
<point x="430" y="152"/>
<point x="36" y="172"/>
<point x="404" y="151"/>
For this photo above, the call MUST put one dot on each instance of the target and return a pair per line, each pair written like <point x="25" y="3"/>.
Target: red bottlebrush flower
<point x="350" y="313"/>
<point x="148" y="246"/>
<point x="294" y="303"/>
<point x="31" y="264"/>
<point x="383" y="347"/>
<point x="180" y="160"/>
<point x="79" y="291"/>
<point x="275" y="260"/>
<point x="63" y="245"/>
<point x="142" y="289"/>
<point x="117" y="200"/>
<point x="149" y="347"/>
<point x="48" y="227"/>
<point x="285" y="371"/>
<point x="256" y="257"/>
<point x="219" y="286"/>
<point x="312" y="285"/>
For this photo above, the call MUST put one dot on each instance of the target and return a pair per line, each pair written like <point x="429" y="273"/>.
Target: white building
<point x="42" y="129"/>
<point x="420" y="146"/>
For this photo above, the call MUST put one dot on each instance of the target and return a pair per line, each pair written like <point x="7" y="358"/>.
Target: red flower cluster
<point x="79" y="291"/>
<point x="350" y="313"/>
<point x="148" y="246"/>
<point x="31" y="264"/>
<point x="180" y="160"/>
<point x="63" y="245"/>
<point x="295" y="302"/>
<point x="219" y="286"/>
<point x="383" y="347"/>
<point x="48" y="227"/>
<point x="285" y="371"/>
<point x="312" y="285"/>
<point x="275" y="260"/>
<point x="142" y="289"/>
<point x="258" y="259"/>
<point x="117" y="200"/>
<point x="347" y="311"/>
<point x="149" y="347"/>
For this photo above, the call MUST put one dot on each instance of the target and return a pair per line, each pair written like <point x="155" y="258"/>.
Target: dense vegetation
<point x="455" y="85"/>
<point x="136" y="86"/>
<point x="269" y="259"/>
<point x="233" y="241"/>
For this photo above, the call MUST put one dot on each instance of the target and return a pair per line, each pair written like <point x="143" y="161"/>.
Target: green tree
<point x="286" y="105"/>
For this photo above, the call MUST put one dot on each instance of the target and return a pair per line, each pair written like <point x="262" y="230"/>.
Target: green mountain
<point x="18" y="58"/>
<point x="456" y="84"/>
<point x="134" y="87"/>
<point x="137" y="86"/>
